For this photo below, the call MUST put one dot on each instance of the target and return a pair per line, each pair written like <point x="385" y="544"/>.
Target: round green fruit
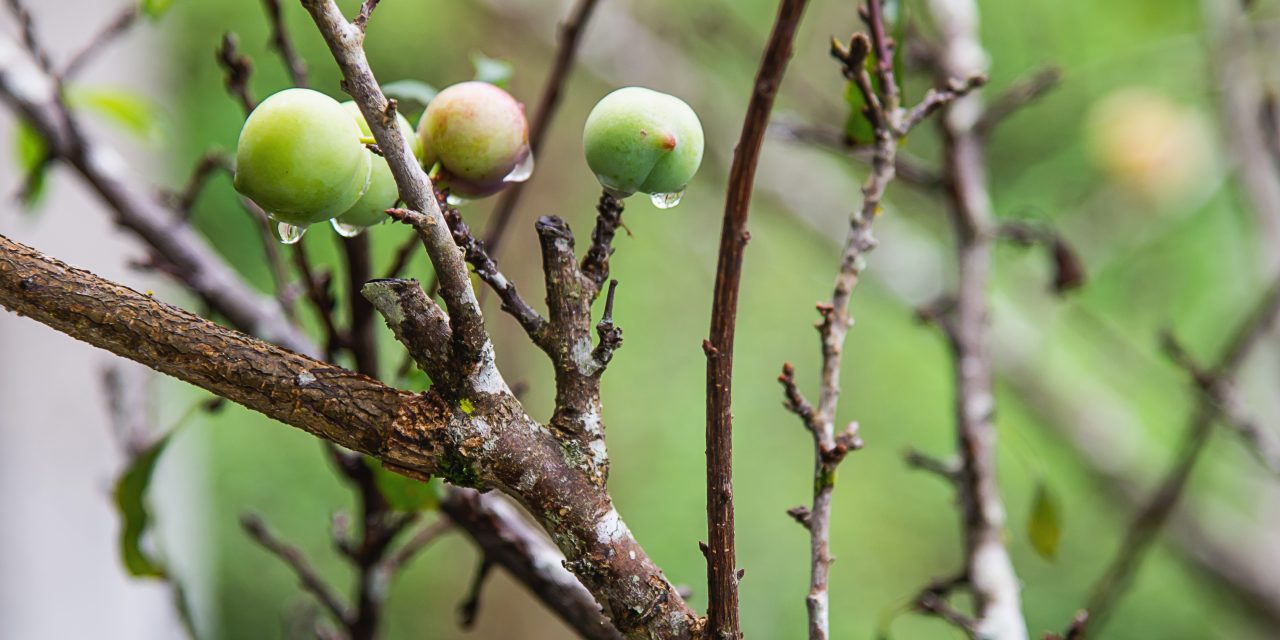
<point x="637" y="139"/>
<point x="300" y="157"/>
<point x="382" y="193"/>
<point x="479" y="136"/>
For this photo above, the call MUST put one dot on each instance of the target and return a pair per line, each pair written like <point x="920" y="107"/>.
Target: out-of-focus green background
<point x="1167" y="237"/>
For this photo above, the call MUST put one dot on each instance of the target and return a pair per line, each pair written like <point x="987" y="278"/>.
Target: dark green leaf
<point x="134" y="113"/>
<point x="130" y="498"/>
<point x="404" y="493"/>
<point x="32" y="152"/>
<point x="856" y="127"/>
<point x="492" y="70"/>
<point x="155" y="8"/>
<point x="410" y="91"/>
<point x="1044" y="527"/>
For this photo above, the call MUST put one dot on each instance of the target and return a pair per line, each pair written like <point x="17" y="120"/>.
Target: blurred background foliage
<point x="1125" y="158"/>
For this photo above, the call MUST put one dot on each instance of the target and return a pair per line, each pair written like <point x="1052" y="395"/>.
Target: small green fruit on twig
<point x="300" y="158"/>
<point x="637" y="139"/>
<point x="479" y="136"/>
<point x="382" y="193"/>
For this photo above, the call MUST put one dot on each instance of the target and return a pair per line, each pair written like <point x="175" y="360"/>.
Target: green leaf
<point x="130" y="498"/>
<point x="410" y="91"/>
<point x="134" y="113"/>
<point x="155" y="8"/>
<point x="404" y="493"/>
<point x="1044" y="527"/>
<point x="492" y="70"/>
<point x="32" y="152"/>
<point x="856" y="127"/>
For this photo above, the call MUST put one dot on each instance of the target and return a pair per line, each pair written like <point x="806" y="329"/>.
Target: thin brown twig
<point x="570" y="35"/>
<point x="722" y="572"/>
<point x="1156" y="511"/>
<point x="238" y="68"/>
<point x="280" y="41"/>
<point x="1018" y="96"/>
<point x="308" y="578"/>
<point x="113" y="30"/>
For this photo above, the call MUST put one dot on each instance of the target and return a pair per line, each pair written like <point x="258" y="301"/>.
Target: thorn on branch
<point x="802" y="515"/>
<point x="947" y="470"/>
<point x="470" y="606"/>
<point x="610" y="335"/>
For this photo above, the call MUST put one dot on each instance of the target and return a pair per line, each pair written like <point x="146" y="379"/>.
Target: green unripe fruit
<point x="480" y="137"/>
<point x="382" y="193"/>
<point x="300" y="157"/>
<point x="637" y="139"/>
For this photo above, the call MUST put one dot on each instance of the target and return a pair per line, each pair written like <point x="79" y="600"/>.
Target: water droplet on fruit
<point x="667" y="200"/>
<point x="289" y="234"/>
<point x="456" y="200"/>
<point x="346" y="230"/>
<point x="523" y="169"/>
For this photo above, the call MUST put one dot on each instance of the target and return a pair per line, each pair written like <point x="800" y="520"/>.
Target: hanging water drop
<point x="289" y="234"/>
<point x="667" y="200"/>
<point x="523" y="169"/>
<point x="346" y="230"/>
<point x="455" y="200"/>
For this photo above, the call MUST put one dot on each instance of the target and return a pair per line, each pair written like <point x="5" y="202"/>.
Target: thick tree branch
<point x="486" y="442"/>
<point x="722" y="570"/>
<point x="194" y="263"/>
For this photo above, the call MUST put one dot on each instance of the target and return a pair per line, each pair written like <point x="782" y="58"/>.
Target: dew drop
<point x="346" y="230"/>
<point x="523" y="169"/>
<point x="456" y="200"/>
<point x="289" y="234"/>
<point x="667" y="200"/>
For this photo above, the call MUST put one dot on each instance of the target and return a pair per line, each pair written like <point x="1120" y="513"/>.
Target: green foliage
<point x="402" y="492"/>
<point x="130" y="498"/>
<point x="133" y="113"/>
<point x="154" y="9"/>
<point x="414" y="91"/>
<point x="32" y="154"/>
<point x="1044" y="526"/>
<point x="492" y="70"/>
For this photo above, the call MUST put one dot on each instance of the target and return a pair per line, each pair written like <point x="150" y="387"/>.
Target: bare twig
<point x="570" y="35"/>
<point x="990" y="573"/>
<point x="292" y="556"/>
<point x="890" y="123"/>
<point x="113" y="30"/>
<point x="283" y="45"/>
<point x="595" y="264"/>
<point x="1156" y="511"/>
<point x="238" y="68"/>
<point x="722" y="573"/>
<point x="209" y="164"/>
<point x="366" y="11"/>
<point x="1016" y="97"/>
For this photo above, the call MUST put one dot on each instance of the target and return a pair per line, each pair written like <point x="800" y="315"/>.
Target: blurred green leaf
<point x="1044" y="527"/>
<point x="856" y="127"/>
<point x="492" y="70"/>
<point x="134" y="113"/>
<point x="404" y="493"/>
<point x="410" y="91"/>
<point x="32" y="152"/>
<point x="155" y="8"/>
<point x="130" y="498"/>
